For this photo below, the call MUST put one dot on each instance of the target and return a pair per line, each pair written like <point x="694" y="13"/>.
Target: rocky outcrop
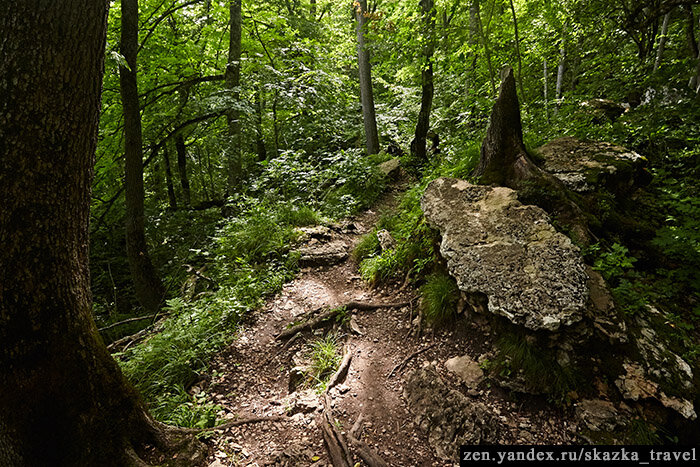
<point x="586" y="166"/>
<point x="494" y="245"/>
<point x="656" y="372"/>
<point x="450" y="418"/>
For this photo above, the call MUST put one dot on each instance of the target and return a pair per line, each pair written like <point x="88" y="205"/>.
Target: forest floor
<point x="251" y="376"/>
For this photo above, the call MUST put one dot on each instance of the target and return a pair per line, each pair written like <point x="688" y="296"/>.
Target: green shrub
<point x="377" y="269"/>
<point x="440" y="296"/>
<point x="297" y="215"/>
<point x="367" y="246"/>
<point x="613" y="264"/>
<point x="254" y="238"/>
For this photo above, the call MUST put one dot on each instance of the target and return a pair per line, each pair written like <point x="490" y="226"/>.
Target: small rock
<point x="466" y="369"/>
<point x="598" y="415"/>
<point x="386" y="241"/>
<point x="388" y="167"/>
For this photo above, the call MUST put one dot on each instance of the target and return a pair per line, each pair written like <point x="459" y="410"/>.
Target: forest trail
<point x="252" y="376"/>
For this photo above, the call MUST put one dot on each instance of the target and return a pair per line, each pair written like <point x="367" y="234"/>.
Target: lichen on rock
<point x="494" y="245"/>
<point x="586" y="166"/>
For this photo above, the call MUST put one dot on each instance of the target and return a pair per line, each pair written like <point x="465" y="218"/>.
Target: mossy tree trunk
<point x="63" y="399"/>
<point x="505" y="162"/>
<point x="147" y="285"/>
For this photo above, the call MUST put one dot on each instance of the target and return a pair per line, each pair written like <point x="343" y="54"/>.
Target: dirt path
<point x="252" y="376"/>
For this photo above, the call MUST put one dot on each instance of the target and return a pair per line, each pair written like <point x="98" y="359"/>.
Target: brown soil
<point x="252" y="375"/>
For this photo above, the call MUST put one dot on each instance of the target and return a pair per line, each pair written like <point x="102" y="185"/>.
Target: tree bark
<point x="233" y="82"/>
<point x="182" y="169"/>
<point x="147" y="285"/>
<point x="546" y="90"/>
<point x="172" y="199"/>
<point x="662" y="41"/>
<point x="418" y="145"/>
<point x="63" y="399"/>
<point x="365" y="71"/>
<point x="505" y="162"/>
<point x="485" y="44"/>
<point x="690" y="33"/>
<point x="694" y="82"/>
<point x="562" y="66"/>
<point x="517" y="51"/>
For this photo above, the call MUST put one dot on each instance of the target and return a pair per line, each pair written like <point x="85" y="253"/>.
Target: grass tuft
<point x="440" y="296"/>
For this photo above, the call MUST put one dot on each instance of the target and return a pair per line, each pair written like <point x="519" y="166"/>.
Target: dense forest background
<point x="224" y="125"/>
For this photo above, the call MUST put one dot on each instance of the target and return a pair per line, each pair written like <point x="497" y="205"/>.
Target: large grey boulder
<point x="450" y="418"/>
<point x="586" y="166"/>
<point x="496" y="246"/>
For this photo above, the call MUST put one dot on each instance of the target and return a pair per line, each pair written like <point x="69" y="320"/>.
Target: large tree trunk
<point x="63" y="399"/>
<point x="233" y="82"/>
<point x="505" y="162"/>
<point x="182" y="169"/>
<point x="149" y="290"/>
<point x="366" y="96"/>
<point x="418" y="145"/>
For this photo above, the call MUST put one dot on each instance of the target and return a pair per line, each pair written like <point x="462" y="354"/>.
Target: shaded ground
<point x="252" y="375"/>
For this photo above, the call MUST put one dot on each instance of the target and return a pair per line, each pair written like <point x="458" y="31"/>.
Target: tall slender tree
<point x="366" y="94"/>
<point x="233" y="83"/>
<point x="181" y="150"/>
<point x="147" y="285"/>
<point x="418" y="145"/>
<point x="63" y="399"/>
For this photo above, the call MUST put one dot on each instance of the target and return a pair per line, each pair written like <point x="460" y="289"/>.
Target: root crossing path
<point x="262" y="375"/>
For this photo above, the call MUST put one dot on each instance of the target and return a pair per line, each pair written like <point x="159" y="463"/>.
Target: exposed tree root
<point x="342" y="372"/>
<point x="323" y="317"/>
<point x="367" y="454"/>
<point x="336" y="444"/>
<point x="409" y="358"/>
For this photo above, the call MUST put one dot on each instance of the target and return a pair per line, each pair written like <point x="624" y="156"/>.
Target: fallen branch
<point x="353" y="305"/>
<point x="130" y="320"/>
<point x="407" y="359"/>
<point x="234" y="423"/>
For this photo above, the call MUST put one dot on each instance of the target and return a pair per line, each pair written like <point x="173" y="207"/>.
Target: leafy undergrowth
<point x="247" y="258"/>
